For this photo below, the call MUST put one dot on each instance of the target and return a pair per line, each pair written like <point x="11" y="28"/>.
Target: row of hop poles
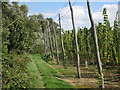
<point x="94" y="34"/>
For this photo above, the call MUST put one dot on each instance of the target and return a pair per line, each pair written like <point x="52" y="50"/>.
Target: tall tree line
<point x="23" y="34"/>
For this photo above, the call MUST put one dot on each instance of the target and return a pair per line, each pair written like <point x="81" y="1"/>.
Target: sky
<point x="51" y="9"/>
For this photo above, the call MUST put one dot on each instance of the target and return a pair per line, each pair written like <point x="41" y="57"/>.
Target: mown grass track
<point x="42" y="75"/>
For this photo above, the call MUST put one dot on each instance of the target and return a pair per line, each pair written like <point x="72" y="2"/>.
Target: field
<point x="50" y="75"/>
<point x="71" y="44"/>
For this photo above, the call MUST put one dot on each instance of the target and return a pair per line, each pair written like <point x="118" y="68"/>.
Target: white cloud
<point x="32" y="13"/>
<point x="81" y="16"/>
<point x="98" y="16"/>
<point x="111" y="11"/>
<point x="49" y="14"/>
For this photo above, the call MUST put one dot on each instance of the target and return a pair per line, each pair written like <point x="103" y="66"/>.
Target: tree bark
<point x="94" y="34"/>
<point x="76" y="42"/>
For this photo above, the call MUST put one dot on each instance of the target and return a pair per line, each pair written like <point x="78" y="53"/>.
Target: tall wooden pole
<point x="61" y="38"/>
<point x="50" y="41"/>
<point x="47" y="43"/>
<point x="56" y="44"/>
<point x="44" y="44"/>
<point x="94" y="34"/>
<point x="76" y="42"/>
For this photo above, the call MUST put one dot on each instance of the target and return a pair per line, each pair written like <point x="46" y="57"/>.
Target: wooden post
<point x="44" y="44"/>
<point x="56" y="44"/>
<point x="76" y="42"/>
<point x="61" y="38"/>
<point x="94" y="34"/>
<point x="50" y="41"/>
<point x="47" y="43"/>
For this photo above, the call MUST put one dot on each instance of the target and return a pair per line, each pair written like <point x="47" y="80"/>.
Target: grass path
<point x="43" y="76"/>
<point x="35" y="75"/>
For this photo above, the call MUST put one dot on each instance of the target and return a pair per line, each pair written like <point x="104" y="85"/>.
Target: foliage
<point x="109" y="44"/>
<point x="15" y="72"/>
<point x="21" y="34"/>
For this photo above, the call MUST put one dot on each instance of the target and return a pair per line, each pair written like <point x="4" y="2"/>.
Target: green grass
<point x="48" y="74"/>
<point x="67" y="72"/>
<point x="35" y="77"/>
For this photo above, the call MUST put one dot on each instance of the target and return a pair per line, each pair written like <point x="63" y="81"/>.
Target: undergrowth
<point x="15" y="73"/>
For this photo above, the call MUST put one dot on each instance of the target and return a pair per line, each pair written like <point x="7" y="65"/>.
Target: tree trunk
<point x="94" y="34"/>
<point x="76" y="42"/>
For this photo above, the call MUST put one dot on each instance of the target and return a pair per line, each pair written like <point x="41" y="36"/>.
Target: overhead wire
<point x="26" y="13"/>
<point x="74" y="3"/>
<point x="53" y="18"/>
<point x="69" y="9"/>
<point x="61" y="10"/>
